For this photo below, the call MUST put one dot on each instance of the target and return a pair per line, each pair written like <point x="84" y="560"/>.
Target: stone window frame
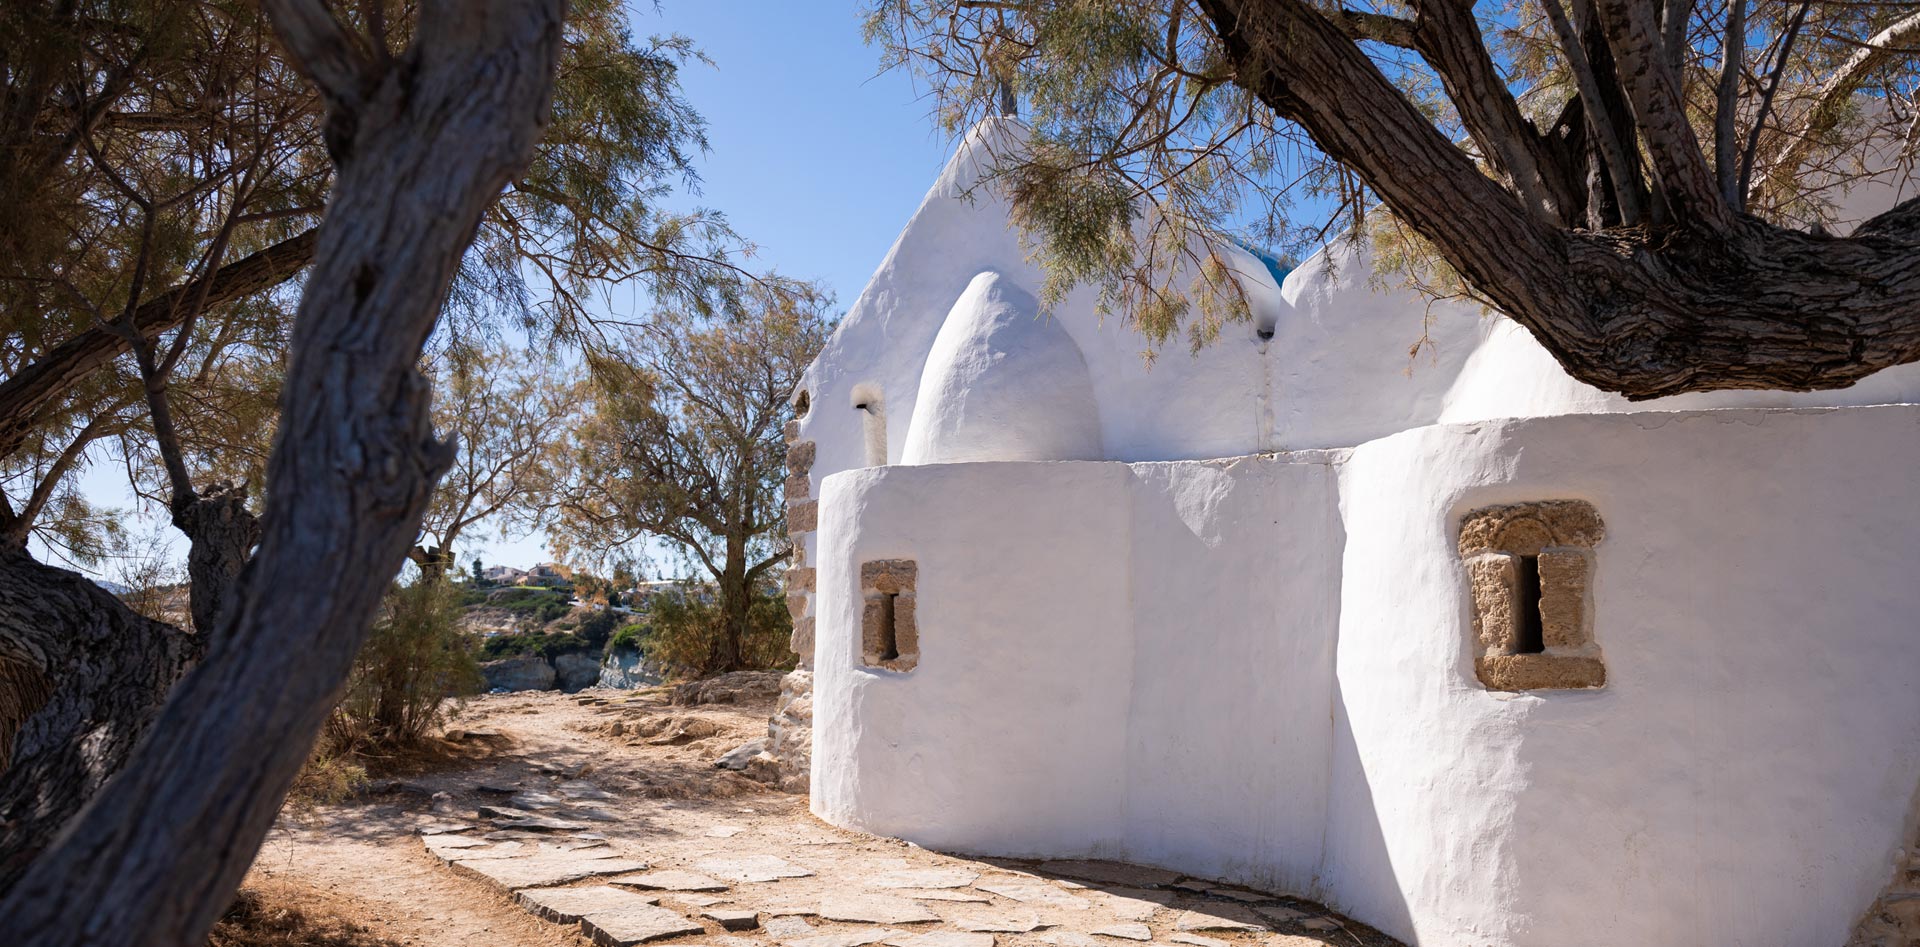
<point x="1558" y="538"/>
<point x="889" y="629"/>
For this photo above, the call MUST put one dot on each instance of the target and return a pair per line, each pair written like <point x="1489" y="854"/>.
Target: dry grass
<point x="284" y="915"/>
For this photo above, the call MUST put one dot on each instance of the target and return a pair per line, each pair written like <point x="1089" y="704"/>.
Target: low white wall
<point x="1100" y="671"/>
<point x="1744" y="776"/>
<point x="1259" y="671"/>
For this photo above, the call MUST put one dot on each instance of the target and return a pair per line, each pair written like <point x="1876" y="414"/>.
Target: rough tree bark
<point x="1700" y="298"/>
<point x="424" y="142"/>
<point x="114" y="670"/>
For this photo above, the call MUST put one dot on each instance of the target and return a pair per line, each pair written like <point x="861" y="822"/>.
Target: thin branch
<point x="1733" y="49"/>
<point x="1739" y="193"/>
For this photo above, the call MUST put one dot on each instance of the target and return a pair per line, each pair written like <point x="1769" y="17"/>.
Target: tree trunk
<point x="434" y="561"/>
<point x="735" y="602"/>
<point x="221" y="533"/>
<point x="1701" y="299"/>
<point x="83" y="678"/>
<point x="424" y="143"/>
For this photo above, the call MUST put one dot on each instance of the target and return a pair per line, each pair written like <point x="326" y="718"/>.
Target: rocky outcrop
<point x="576" y="671"/>
<point x="525" y="672"/>
<point x="738" y="687"/>
<point x="790" y="733"/>
<point x="625" y="669"/>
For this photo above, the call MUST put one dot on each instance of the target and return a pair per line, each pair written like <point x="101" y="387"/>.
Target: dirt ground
<point x="652" y="795"/>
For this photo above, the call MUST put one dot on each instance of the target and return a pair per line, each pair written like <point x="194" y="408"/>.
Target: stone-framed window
<point x="889" y="634"/>
<point x="1530" y="569"/>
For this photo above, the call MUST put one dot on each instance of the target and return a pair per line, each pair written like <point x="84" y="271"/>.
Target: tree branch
<point x="1686" y="181"/>
<point x="1831" y="102"/>
<point x="27" y="392"/>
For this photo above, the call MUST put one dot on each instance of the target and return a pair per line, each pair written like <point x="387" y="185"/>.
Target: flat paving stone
<point x="1115" y="873"/>
<point x="752" y="868"/>
<point x="944" y="939"/>
<point x="1070" y="939"/>
<point x="1132" y="904"/>
<point x="1224" y="917"/>
<point x="541" y="822"/>
<point x="596" y="815"/>
<point x="449" y="842"/>
<point x="857" y="938"/>
<point x="947" y="894"/>
<point x="533" y="801"/>
<point x="1130" y="931"/>
<point x="674" y="881"/>
<point x="447" y="849"/>
<point x="788" y="926"/>
<point x="724" y="831"/>
<point x="924" y="878"/>
<point x="542" y="871"/>
<point x="1195" y="940"/>
<point x="1003" y="922"/>
<point x="567" y="905"/>
<point x="583" y="790"/>
<point x="695" y="900"/>
<point x="792" y="910"/>
<point x="1032" y="892"/>
<point x="1320" y="924"/>
<point x="636" y="925"/>
<point x="1237" y="894"/>
<point x="874" y="909"/>
<point x="733" y="920"/>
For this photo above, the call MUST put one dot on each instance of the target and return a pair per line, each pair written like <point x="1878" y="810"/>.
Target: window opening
<point x="1528" y="634"/>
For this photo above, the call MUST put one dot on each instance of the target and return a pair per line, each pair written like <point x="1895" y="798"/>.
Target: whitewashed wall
<point x="1259" y="671"/>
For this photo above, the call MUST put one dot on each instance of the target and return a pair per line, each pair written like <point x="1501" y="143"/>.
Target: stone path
<point x="690" y="875"/>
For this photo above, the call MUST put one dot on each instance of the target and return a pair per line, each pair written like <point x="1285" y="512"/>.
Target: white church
<point x="1457" y="645"/>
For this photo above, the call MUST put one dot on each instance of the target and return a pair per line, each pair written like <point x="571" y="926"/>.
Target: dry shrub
<point x="273" y="918"/>
<point x="686" y="633"/>
<point x="415" y="658"/>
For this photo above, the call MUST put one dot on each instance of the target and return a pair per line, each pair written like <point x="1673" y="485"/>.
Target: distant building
<point x="504" y="575"/>
<point x="548" y="574"/>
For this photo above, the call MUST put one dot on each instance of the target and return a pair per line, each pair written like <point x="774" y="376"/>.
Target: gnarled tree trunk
<point x="1698" y="297"/>
<point x="424" y="143"/>
<point x="82" y="677"/>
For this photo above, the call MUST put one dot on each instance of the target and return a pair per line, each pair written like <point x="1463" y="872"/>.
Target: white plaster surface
<point x="1259" y="670"/>
<point x="1002" y="383"/>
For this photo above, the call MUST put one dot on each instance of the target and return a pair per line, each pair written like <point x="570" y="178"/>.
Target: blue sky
<point x="814" y="157"/>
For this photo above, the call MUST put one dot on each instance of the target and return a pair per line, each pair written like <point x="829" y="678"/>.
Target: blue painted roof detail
<point x="1278" y="269"/>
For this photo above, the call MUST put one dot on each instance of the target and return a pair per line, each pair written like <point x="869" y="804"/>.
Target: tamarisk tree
<point x="424" y="140"/>
<point x="1643" y="185"/>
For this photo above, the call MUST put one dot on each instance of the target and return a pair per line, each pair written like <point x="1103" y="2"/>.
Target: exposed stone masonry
<point x="1512" y="551"/>
<point x="889" y="634"/>
<point x="1894" y="918"/>
<point x="790" y="730"/>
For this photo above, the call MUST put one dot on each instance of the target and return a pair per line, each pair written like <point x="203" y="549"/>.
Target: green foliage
<point x="598" y="628"/>
<point x="628" y="638"/>
<point x="414" y="659"/>
<point x="544" y="644"/>
<point x="688" y="632"/>
<point x="681" y="442"/>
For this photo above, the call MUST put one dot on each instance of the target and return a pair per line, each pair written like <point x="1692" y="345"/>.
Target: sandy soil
<point x="666" y="804"/>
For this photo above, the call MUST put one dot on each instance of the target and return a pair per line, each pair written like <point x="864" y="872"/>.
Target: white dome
<point x="1002" y="382"/>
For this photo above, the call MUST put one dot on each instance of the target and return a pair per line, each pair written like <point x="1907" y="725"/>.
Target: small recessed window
<point x="889" y="629"/>
<point x="1529" y="569"/>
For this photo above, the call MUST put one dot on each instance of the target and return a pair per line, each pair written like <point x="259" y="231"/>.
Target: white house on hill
<point x="1460" y="646"/>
